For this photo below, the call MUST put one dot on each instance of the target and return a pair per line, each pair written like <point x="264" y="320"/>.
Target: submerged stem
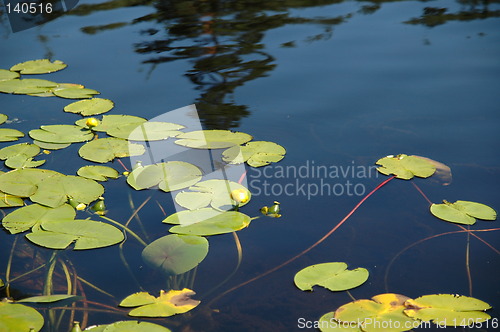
<point x="128" y="230"/>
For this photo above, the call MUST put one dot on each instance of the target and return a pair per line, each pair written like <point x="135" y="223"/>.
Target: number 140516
<point x="29" y="8"/>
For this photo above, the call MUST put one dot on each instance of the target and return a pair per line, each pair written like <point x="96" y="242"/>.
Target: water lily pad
<point x="75" y="93"/>
<point x="448" y="309"/>
<point x="87" y="234"/>
<point x="48" y="298"/>
<point x="90" y="107"/>
<point x="22" y="161"/>
<point x="212" y="139"/>
<point x="42" y="66"/>
<point x="9" y="135"/>
<point x="27" y="149"/>
<point x="6" y="75"/>
<point x="255" y="154"/>
<point x="18" y="317"/>
<point x="7" y="200"/>
<point x="128" y="326"/>
<point x="24" y="182"/>
<point x="51" y="146"/>
<point x="169" y="176"/>
<point x="106" y="149"/>
<point x="61" y="134"/>
<point x="3" y="118"/>
<point x="98" y="173"/>
<point x="328" y="323"/>
<point x="146" y="131"/>
<point x="167" y="304"/>
<point x="193" y="200"/>
<point x="175" y="254"/>
<point x="188" y="217"/>
<point x="32" y="216"/>
<point x="110" y="122"/>
<point x="405" y="167"/>
<point x="224" y="222"/>
<point x="332" y="276"/>
<point x="25" y="86"/>
<point x="55" y="191"/>
<point x="463" y="212"/>
<point x="60" y="86"/>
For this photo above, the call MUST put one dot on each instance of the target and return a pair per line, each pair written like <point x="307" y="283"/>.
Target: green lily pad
<point x="6" y="75"/>
<point x="255" y="154"/>
<point x="146" y="131"/>
<point x="3" y="118"/>
<point x="167" y="304"/>
<point x="24" y="182"/>
<point x="48" y="298"/>
<point x="55" y="191"/>
<point x="75" y="93"/>
<point x="23" y="161"/>
<point x="27" y="149"/>
<point x="113" y="121"/>
<point x="463" y="212"/>
<point x="31" y="216"/>
<point x="61" y="134"/>
<point x="333" y="276"/>
<point x="18" y="317"/>
<point x="26" y="86"/>
<point x="175" y="254"/>
<point x="328" y="323"/>
<point x="128" y="326"/>
<point x="43" y="66"/>
<point x="448" y="309"/>
<point x="98" y="173"/>
<point x="60" y="86"/>
<point x="51" y="146"/>
<point x="212" y="139"/>
<point x="224" y="222"/>
<point x="103" y="150"/>
<point x="169" y="176"/>
<point x="90" y="107"/>
<point x="188" y="217"/>
<point x="7" y="200"/>
<point x="405" y="167"/>
<point x="9" y="135"/>
<point x="87" y="234"/>
<point x="216" y="192"/>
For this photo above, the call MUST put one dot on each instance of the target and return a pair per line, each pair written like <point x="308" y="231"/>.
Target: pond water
<point x="337" y="83"/>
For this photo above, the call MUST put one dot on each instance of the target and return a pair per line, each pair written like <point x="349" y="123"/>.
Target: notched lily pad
<point x="463" y="212"/>
<point x="212" y="139"/>
<point x="255" y="154"/>
<point x="89" y="107"/>
<point x="26" y="86"/>
<point x="42" y="66"/>
<point x="31" y="216"/>
<point x="98" y="173"/>
<point x="405" y="167"/>
<point x="333" y="276"/>
<point x="24" y="182"/>
<point x="6" y="75"/>
<point x="10" y="135"/>
<point x="21" y="155"/>
<point x="167" y="304"/>
<point x="103" y="150"/>
<point x="224" y="222"/>
<point x="146" y="131"/>
<point x="61" y="134"/>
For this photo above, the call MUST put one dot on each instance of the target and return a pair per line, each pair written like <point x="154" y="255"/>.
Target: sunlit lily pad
<point x="9" y="135"/>
<point x="405" y="167"/>
<point x="21" y="155"/>
<point x="169" y="176"/>
<point x="60" y="86"/>
<point x="175" y="254"/>
<point x="167" y="304"/>
<point x="25" y="86"/>
<point x="55" y="191"/>
<point x="193" y="200"/>
<point x="32" y="216"/>
<point x="42" y="66"/>
<point x="98" y="173"/>
<point x="146" y="131"/>
<point x="6" y="75"/>
<point x="3" y="118"/>
<point x="87" y="234"/>
<point x="75" y="93"/>
<point x="333" y="276"/>
<point x="24" y="182"/>
<point x="51" y="146"/>
<point x="103" y="150"/>
<point x="7" y="200"/>
<point x="18" y="317"/>
<point x="61" y="134"/>
<point x="188" y="217"/>
<point x="22" y="161"/>
<point x="212" y="139"/>
<point x="48" y="298"/>
<point x="224" y="222"/>
<point x="90" y="107"/>
<point x="110" y="122"/>
<point x="255" y="154"/>
<point x="328" y="323"/>
<point x="463" y="212"/>
<point x="128" y="326"/>
<point x="448" y="309"/>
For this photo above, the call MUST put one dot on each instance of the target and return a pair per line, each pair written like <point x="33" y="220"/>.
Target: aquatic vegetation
<point x="255" y="154"/>
<point x="405" y="167"/>
<point x="91" y="106"/>
<point x="333" y="276"/>
<point x="167" y="304"/>
<point x="463" y="212"/>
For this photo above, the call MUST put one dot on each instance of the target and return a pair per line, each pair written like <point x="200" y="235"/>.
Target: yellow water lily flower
<point x="240" y="196"/>
<point x="92" y="122"/>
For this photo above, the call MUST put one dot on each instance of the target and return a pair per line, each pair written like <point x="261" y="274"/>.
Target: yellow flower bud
<point x="92" y="122"/>
<point x="240" y="196"/>
<point x="80" y="207"/>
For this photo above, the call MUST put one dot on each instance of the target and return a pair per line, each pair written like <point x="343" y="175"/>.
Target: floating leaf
<point x="255" y="154"/>
<point x="7" y="200"/>
<point x="188" y="217"/>
<point x="22" y="161"/>
<point x="224" y="222"/>
<point x="87" y="234"/>
<point x="55" y="191"/>
<point x="32" y="216"/>
<point x="43" y="66"/>
<point x="6" y="75"/>
<point x="51" y="146"/>
<point x="103" y="150"/>
<point x="113" y="121"/>
<point x="405" y="167"/>
<point x="25" y="86"/>
<point x="61" y="134"/>
<point x="90" y="107"/>
<point x="176" y="254"/>
<point x="98" y="173"/>
<point x="146" y="131"/>
<point x="448" y="309"/>
<point x="463" y="212"/>
<point x="48" y="298"/>
<point x="3" y="118"/>
<point x="169" y="176"/>
<point x="23" y="182"/>
<point x="212" y="139"/>
<point x="75" y="93"/>
<point x="167" y="304"/>
<point x="328" y="323"/>
<point x="128" y="326"/>
<point x="18" y="317"/>
<point x="60" y="86"/>
<point x="333" y="276"/>
<point x="9" y="135"/>
<point x="27" y="149"/>
<point x="193" y="200"/>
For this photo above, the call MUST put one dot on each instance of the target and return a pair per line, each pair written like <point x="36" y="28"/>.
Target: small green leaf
<point x="405" y="167"/>
<point x="61" y="134"/>
<point x="212" y="139"/>
<point x="32" y="216"/>
<point x="9" y="135"/>
<point x="6" y="75"/>
<point x="103" y="150"/>
<point x="18" y="317"/>
<point x="48" y="298"/>
<point x="224" y="222"/>
<point x="3" y="118"/>
<point x="255" y="154"/>
<point x="42" y="66"/>
<point x="463" y="212"/>
<point x="98" y="173"/>
<point x="333" y="276"/>
<point x="90" y="106"/>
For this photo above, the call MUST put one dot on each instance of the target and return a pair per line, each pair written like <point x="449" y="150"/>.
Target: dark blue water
<point x="337" y="84"/>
